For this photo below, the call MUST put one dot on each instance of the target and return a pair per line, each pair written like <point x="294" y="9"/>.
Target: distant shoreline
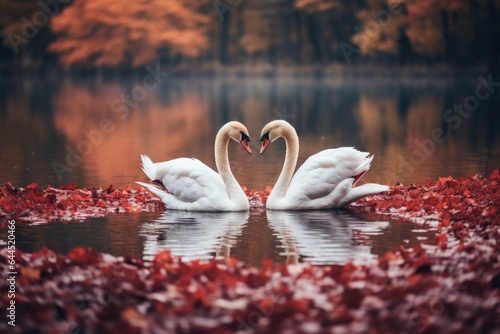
<point x="269" y="71"/>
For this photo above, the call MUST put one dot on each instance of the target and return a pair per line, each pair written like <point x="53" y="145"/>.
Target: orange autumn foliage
<point x="429" y="26"/>
<point x="314" y="6"/>
<point x="110" y="33"/>
<point x="426" y="7"/>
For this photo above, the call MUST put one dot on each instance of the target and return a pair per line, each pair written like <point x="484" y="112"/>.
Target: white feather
<point x="324" y="181"/>
<point x="193" y="186"/>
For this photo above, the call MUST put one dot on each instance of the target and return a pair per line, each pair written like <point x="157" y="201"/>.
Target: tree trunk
<point x="405" y="49"/>
<point x="493" y="64"/>
<point x="224" y="36"/>
<point x="449" y="47"/>
<point x="297" y="50"/>
<point x="311" y="27"/>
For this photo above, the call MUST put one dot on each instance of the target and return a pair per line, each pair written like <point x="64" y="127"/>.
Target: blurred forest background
<point x="210" y="35"/>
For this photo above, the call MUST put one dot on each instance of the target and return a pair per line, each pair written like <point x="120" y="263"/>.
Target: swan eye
<point x="244" y="137"/>
<point x="265" y="136"/>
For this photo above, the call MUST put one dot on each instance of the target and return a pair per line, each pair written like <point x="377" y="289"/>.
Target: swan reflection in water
<point x="193" y="235"/>
<point x="324" y="237"/>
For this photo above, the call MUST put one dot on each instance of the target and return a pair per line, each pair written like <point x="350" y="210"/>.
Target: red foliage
<point x="33" y="204"/>
<point x="447" y="200"/>
<point x="454" y="286"/>
<point x="450" y="202"/>
<point x="429" y="7"/>
<point x="257" y="198"/>
<point x="111" y="33"/>
<point x="409" y="290"/>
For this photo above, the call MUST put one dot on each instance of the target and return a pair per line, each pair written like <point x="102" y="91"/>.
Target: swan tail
<point x="365" y="164"/>
<point x="148" y="167"/>
<point x="363" y="167"/>
<point x="153" y="189"/>
<point x="361" y="191"/>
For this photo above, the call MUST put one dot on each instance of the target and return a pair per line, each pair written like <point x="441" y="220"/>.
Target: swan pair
<point x="325" y="181"/>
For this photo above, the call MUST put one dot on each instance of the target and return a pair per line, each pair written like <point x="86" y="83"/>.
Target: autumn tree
<point x="312" y="14"/>
<point x="267" y="31"/>
<point x="434" y="26"/>
<point x="24" y="30"/>
<point x="327" y="24"/>
<point x="124" y="34"/>
<point x="315" y="6"/>
<point x="456" y="32"/>
<point x="381" y="29"/>
<point x="111" y="33"/>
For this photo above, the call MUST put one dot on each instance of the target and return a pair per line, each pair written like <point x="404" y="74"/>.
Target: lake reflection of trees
<point x="399" y="125"/>
<point x="164" y="130"/>
<point x="181" y="117"/>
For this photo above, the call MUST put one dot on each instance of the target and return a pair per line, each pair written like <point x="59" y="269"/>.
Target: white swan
<point x="190" y="185"/>
<point x="325" y="181"/>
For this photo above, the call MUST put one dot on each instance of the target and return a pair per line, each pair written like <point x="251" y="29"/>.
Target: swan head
<point x="238" y="132"/>
<point x="272" y="131"/>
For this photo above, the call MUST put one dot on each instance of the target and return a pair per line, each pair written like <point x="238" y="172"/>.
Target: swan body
<point x="190" y="185"/>
<point x="326" y="180"/>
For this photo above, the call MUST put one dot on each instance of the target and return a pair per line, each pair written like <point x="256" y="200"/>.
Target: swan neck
<point x="222" y="163"/>
<point x="291" y="156"/>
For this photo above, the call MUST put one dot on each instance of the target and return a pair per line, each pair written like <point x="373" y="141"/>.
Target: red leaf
<point x="442" y="239"/>
<point x="83" y="255"/>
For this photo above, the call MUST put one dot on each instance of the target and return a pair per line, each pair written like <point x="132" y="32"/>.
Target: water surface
<point x="320" y="237"/>
<point x="92" y="130"/>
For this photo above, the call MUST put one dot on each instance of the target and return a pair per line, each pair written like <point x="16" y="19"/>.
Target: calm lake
<point x="92" y="131"/>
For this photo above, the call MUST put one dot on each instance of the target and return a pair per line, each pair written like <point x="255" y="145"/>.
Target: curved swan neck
<point x="291" y="156"/>
<point x="222" y="163"/>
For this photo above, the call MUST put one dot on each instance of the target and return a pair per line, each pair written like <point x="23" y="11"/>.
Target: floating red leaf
<point x="32" y="204"/>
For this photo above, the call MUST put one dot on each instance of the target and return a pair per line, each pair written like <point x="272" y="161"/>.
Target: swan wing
<point x="190" y="179"/>
<point x="190" y="185"/>
<point x="326" y="177"/>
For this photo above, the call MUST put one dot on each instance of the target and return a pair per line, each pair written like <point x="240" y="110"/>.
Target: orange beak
<point x="244" y="143"/>
<point x="265" y="144"/>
